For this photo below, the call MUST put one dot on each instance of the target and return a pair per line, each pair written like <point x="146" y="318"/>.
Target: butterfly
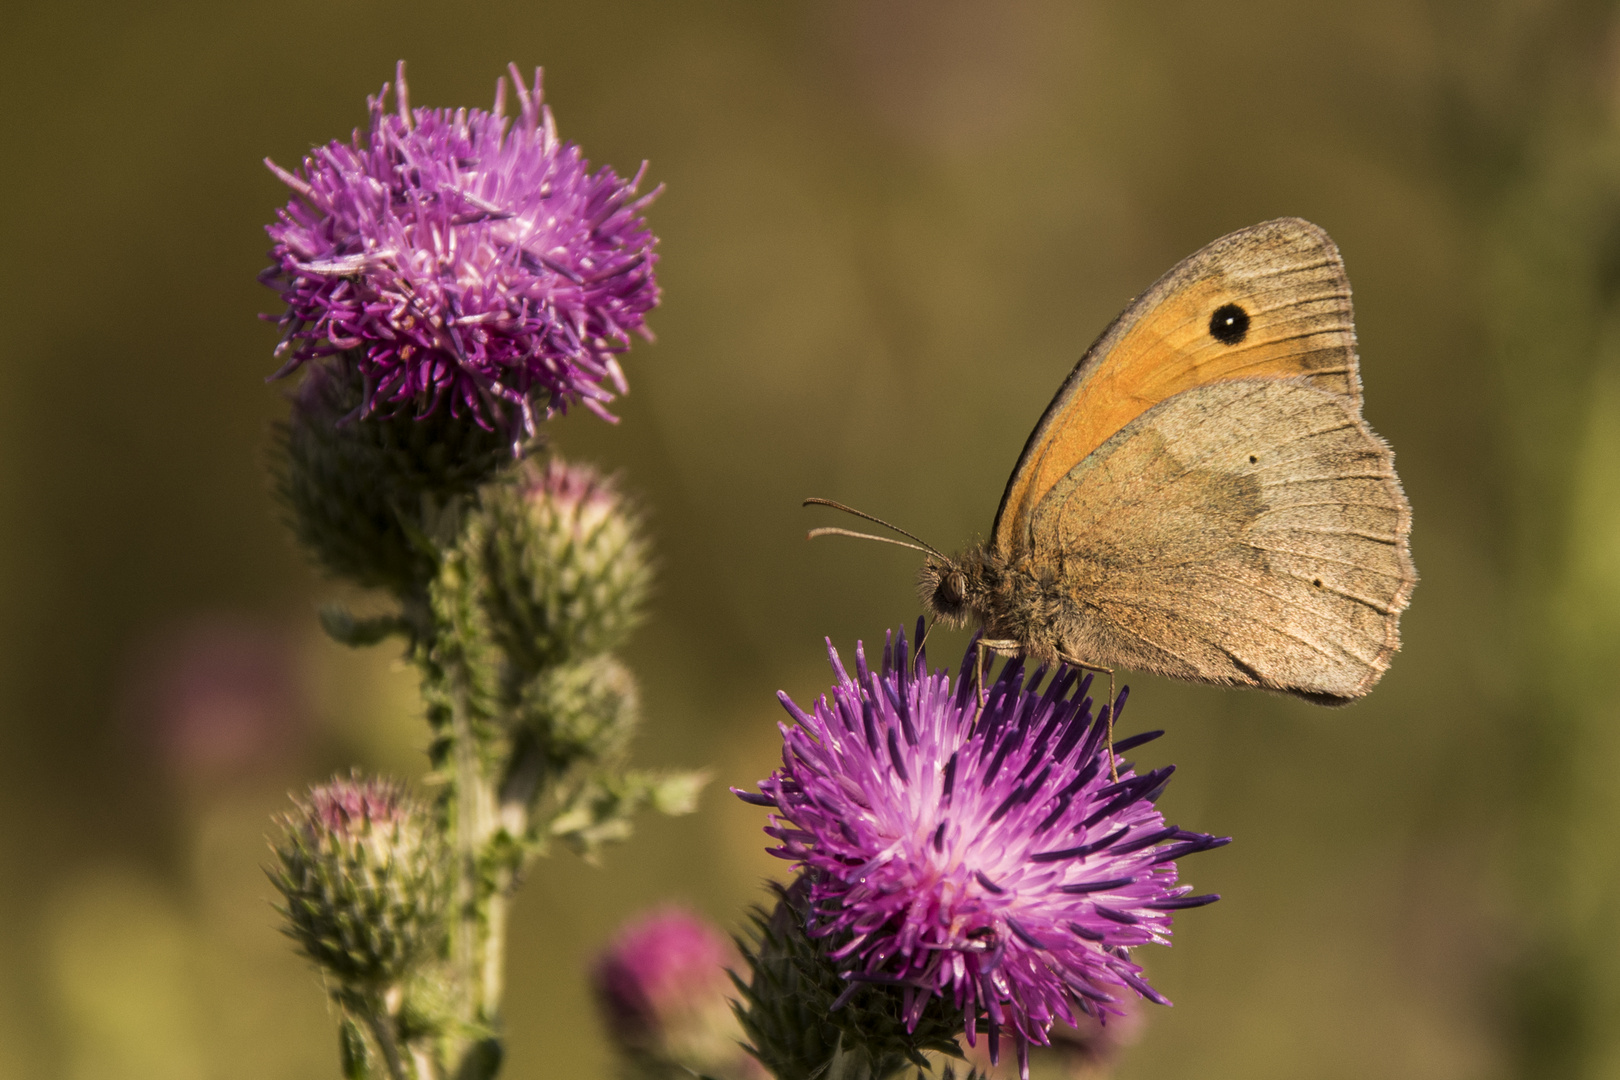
<point x="1202" y="499"/>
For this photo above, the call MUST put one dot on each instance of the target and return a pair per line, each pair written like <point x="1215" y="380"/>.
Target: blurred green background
<point x="891" y="227"/>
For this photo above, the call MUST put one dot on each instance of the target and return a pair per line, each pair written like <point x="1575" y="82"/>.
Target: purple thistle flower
<point x="993" y="861"/>
<point x="458" y="256"/>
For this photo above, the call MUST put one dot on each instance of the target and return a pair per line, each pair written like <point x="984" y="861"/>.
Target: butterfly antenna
<point x="829" y="531"/>
<point x="926" y="546"/>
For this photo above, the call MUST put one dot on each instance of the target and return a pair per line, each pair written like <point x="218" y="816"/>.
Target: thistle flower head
<point x="984" y="858"/>
<point x="364" y="878"/>
<point x="351" y="808"/>
<point x="466" y="260"/>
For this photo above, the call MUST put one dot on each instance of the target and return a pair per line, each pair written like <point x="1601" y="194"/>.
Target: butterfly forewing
<point x="1284" y="285"/>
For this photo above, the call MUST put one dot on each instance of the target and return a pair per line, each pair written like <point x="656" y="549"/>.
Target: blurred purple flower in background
<point x="658" y="963"/>
<point x="664" y="993"/>
<point x="216" y="695"/>
<point x="462" y="258"/>
<point x="986" y="858"/>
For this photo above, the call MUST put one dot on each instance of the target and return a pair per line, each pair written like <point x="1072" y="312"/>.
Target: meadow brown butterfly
<point x="1202" y="499"/>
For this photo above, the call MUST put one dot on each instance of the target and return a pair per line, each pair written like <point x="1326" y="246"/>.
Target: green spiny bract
<point x="554" y="728"/>
<point x="354" y="1053"/>
<point x="364" y="877"/>
<point x="367" y="495"/>
<point x="787" y="1006"/>
<point x="569" y="733"/>
<point x="570" y="725"/>
<point x="575" y="706"/>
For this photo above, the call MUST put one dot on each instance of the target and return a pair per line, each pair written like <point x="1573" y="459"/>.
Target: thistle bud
<point x="364" y="875"/>
<point x="587" y="710"/>
<point x="663" y="990"/>
<point x="363" y="489"/>
<point x="565" y="562"/>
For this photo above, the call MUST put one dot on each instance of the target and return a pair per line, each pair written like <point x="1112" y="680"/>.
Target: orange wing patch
<point x="1287" y="279"/>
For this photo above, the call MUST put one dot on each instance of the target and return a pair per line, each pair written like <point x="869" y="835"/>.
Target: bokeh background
<point x="891" y="226"/>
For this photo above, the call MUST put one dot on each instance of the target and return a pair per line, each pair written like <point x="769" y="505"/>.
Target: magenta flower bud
<point x="663" y="990"/>
<point x="464" y="260"/>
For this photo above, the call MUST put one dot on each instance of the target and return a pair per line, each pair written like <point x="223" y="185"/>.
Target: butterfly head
<point x="957" y="589"/>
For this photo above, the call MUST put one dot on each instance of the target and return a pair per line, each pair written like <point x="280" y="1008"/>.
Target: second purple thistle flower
<point x="985" y="858"/>
<point x="462" y="258"/>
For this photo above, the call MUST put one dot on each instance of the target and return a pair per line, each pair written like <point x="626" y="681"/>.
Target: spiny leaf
<point x="345" y="628"/>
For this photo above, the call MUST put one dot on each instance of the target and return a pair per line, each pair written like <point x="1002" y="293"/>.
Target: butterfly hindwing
<point x="1246" y="532"/>
<point x="1281" y="282"/>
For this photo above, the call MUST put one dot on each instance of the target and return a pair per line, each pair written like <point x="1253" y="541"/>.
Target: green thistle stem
<point x="494" y="967"/>
<point x="474" y="936"/>
<point x="380" y="1022"/>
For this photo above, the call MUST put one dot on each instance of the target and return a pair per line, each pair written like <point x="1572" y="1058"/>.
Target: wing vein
<point x="1325" y="559"/>
<point x="1386" y="475"/>
<point x="1377" y="538"/>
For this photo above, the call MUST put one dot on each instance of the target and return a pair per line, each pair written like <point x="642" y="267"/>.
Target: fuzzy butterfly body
<point x="1202" y="499"/>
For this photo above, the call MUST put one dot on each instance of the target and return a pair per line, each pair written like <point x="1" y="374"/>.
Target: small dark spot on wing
<point x="1229" y="325"/>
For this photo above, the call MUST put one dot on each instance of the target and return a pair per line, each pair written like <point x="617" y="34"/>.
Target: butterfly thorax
<point x="1013" y="599"/>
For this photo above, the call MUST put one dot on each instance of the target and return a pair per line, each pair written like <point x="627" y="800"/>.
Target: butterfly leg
<point x="1113" y="763"/>
<point x="992" y="646"/>
<point x="924" y="639"/>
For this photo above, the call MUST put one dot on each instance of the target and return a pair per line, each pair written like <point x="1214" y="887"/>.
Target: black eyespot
<point x="1317" y="583"/>
<point x="1253" y="460"/>
<point x="1229" y="325"/>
